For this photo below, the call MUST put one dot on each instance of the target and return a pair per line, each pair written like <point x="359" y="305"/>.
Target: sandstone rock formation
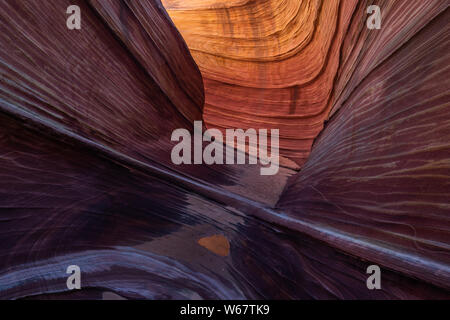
<point x="85" y="138"/>
<point x="267" y="63"/>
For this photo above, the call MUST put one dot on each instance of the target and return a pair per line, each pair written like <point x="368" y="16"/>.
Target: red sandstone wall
<point x="86" y="177"/>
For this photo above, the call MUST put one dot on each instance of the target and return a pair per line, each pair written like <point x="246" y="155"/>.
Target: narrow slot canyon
<point x="88" y="176"/>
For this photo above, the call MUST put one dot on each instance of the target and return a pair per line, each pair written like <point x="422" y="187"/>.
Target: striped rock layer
<point x="267" y="64"/>
<point x="86" y="118"/>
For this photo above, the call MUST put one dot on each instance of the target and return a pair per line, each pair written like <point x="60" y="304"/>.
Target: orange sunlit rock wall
<point x="267" y="64"/>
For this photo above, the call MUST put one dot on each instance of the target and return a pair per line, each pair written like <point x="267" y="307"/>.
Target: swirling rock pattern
<point x="380" y="171"/>
<point x="86" y="176"/>
<point x="267" y="64"/>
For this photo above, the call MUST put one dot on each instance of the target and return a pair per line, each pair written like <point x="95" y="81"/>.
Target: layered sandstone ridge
<point x="379" y="172"/>
<point x="267" y="64"/>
